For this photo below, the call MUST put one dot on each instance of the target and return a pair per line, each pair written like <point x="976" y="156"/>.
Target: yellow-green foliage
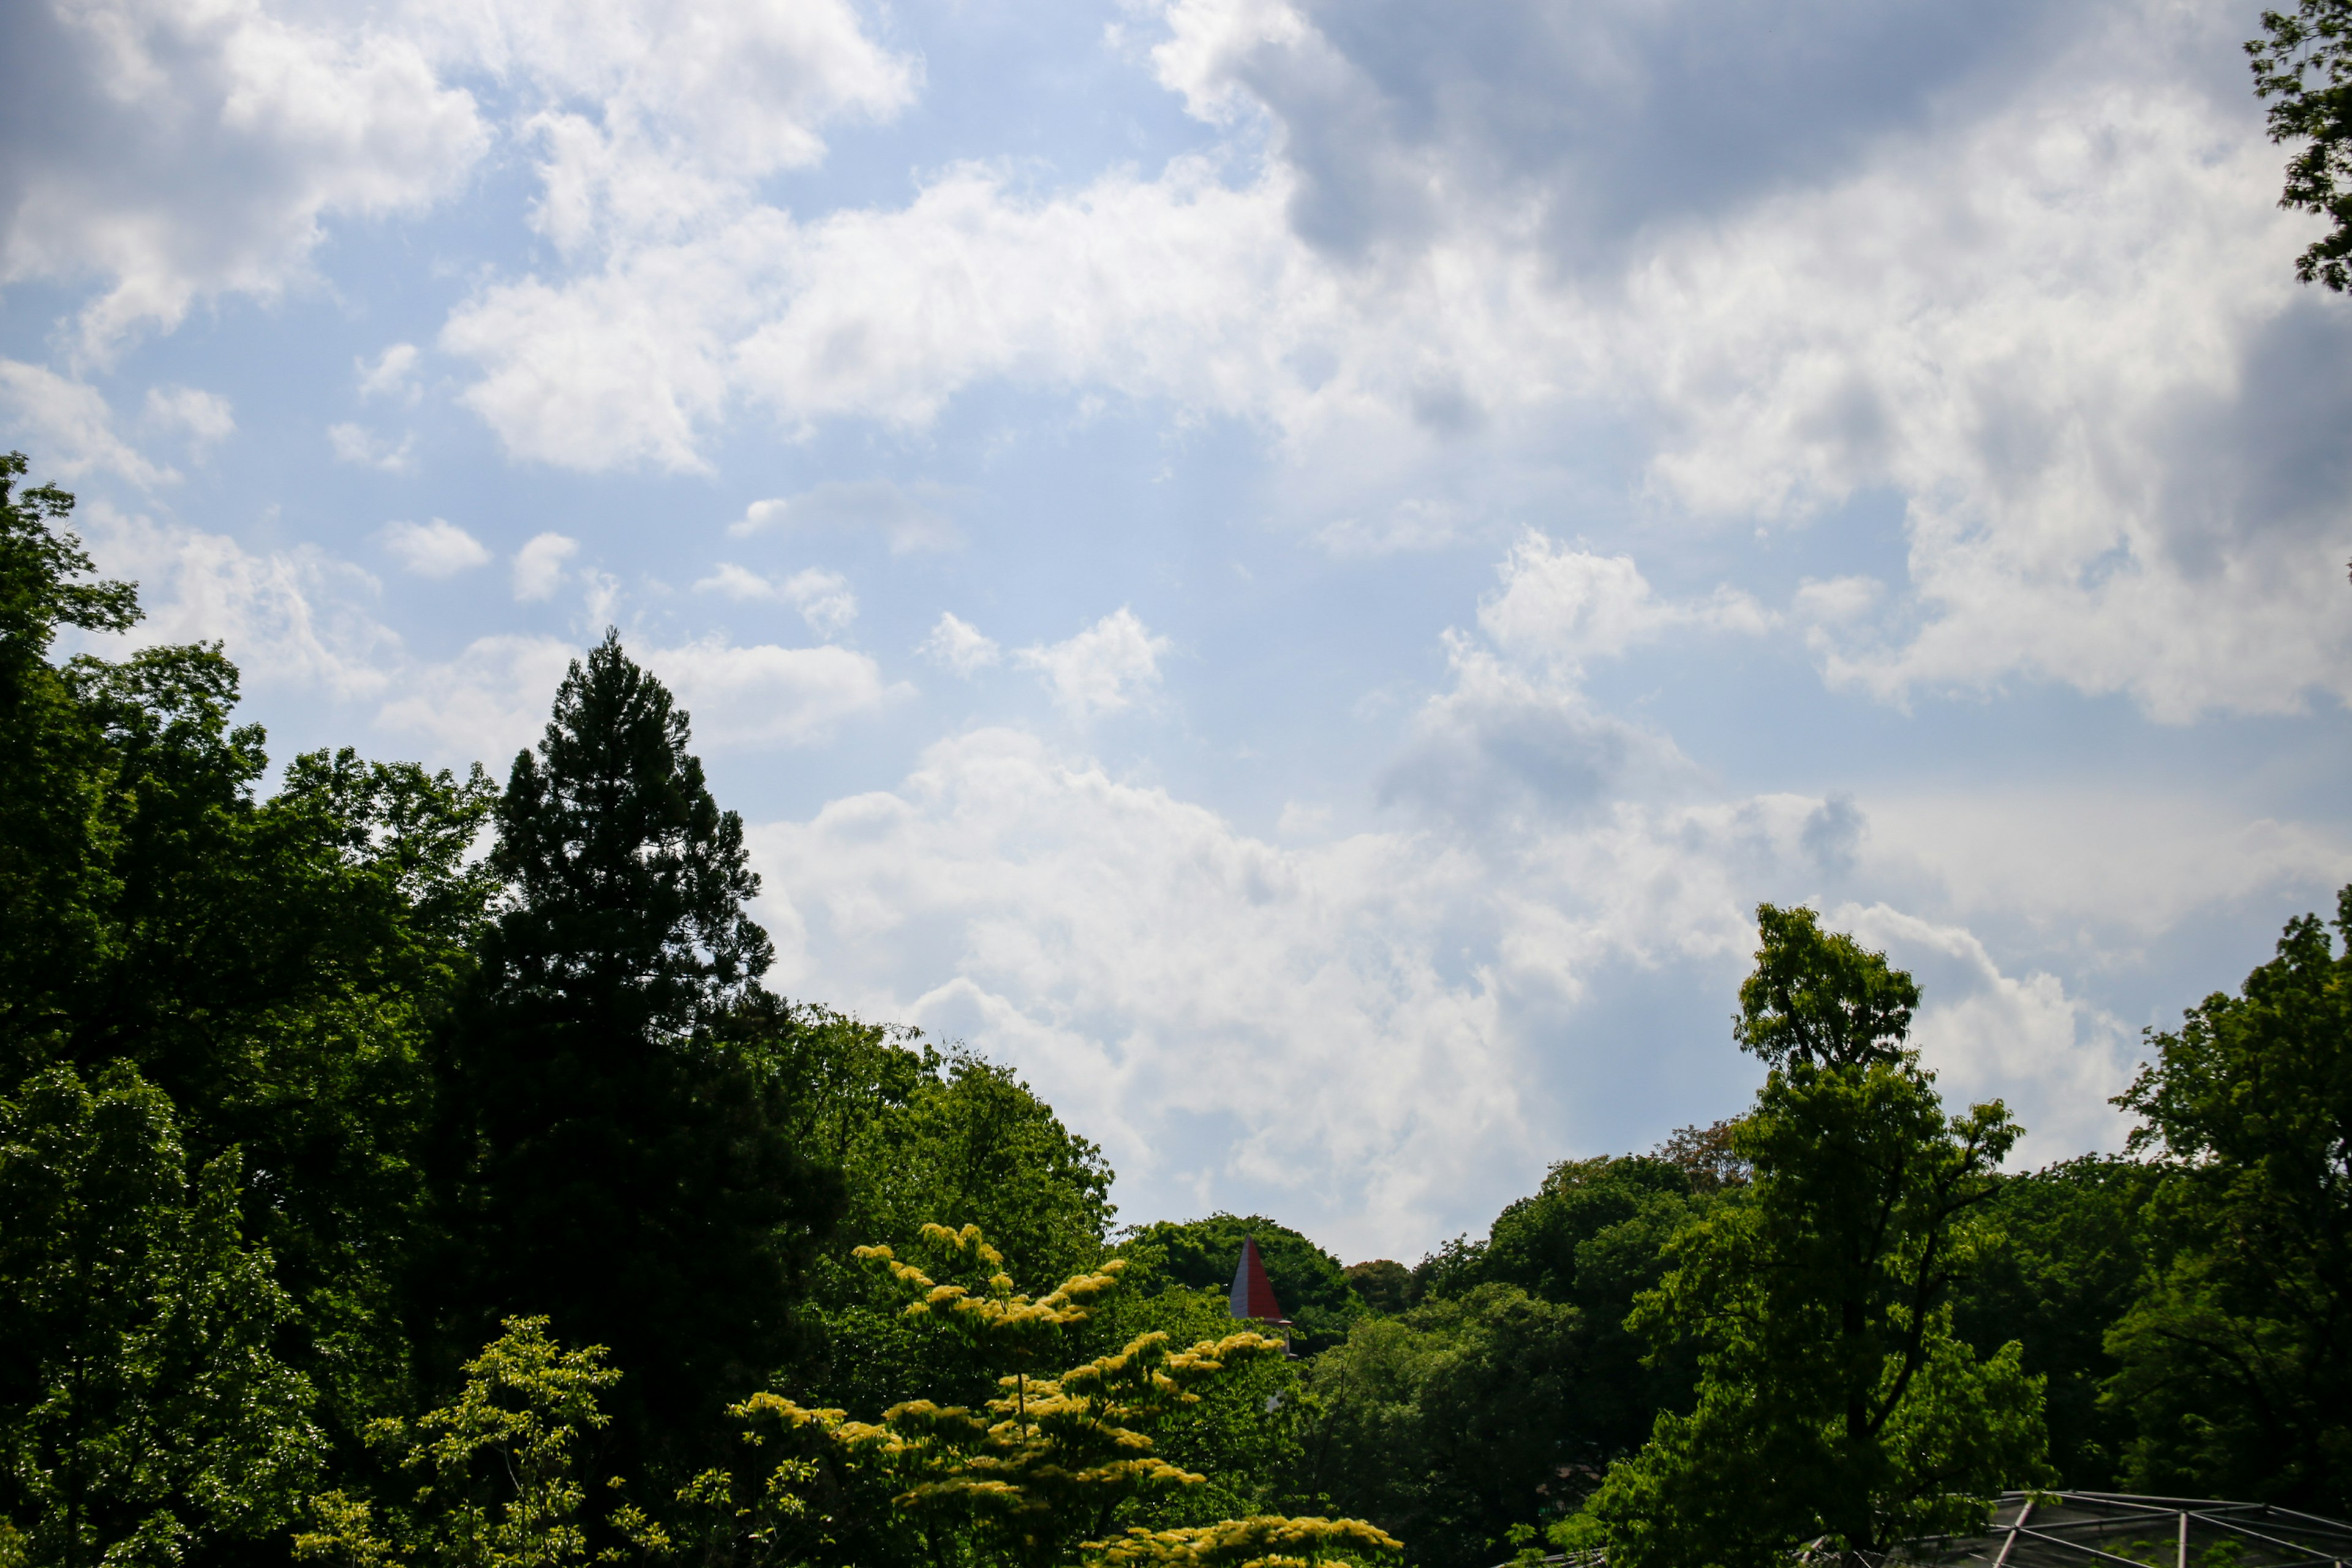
<point x="1267" y="1542"/>
<point x="499" y="1488"/>
<point x="1051" y="1459"/>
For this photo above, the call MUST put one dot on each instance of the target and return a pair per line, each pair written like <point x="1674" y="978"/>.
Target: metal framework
<point x="2099" y="1530"/>
<point x="2110" y="1530"/>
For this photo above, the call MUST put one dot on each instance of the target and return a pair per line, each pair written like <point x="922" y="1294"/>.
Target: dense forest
<point x="402" y="1168"/>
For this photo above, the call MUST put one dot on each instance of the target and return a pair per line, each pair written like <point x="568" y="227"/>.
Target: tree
<point x="1834" y="1400"/>
<point x="1058" y="1457"/>
<point x="143" y="1411"/>
<point x="615" y="1161"/>
<point x="2237" y="1362"/>
<point x="2302" y="64"/>
<point x="54" y="880"/>
<point x="275" y="966"/>
<point x="498" y="1469"/>
<point x="1594" y="1238"/>
<point x="1384" y="1284"/>
<point x="1819" y="998"/>
<point x="2065" y="1257"/>
<point x="1452" y="1423"/>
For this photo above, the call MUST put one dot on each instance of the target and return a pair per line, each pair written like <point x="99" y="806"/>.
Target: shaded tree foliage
<point x="1454" y="1421"/>
<point x="2064" y="1257"/>
<point x="1384" y="1284"/>
<point x="1834" y="1400"/>
<point x="2236" y="1364"/>
<point x="613" y="1161"/>
<point x="274" y="966"/>
<point x="145" y="1415"/>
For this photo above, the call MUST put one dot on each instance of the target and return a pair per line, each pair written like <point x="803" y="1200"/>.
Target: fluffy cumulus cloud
<point x="435" y="549"/>
<point x="539" y="565"/>
<point x="205" y="418"/>
<point x="1386" y="1032"/>
<point x="1108" y="667"/>
<point x="765" y="695"/>
<point x="297" y="619"/>
<point x="823" y="598"/>
<point x="1563" y="606"/>
<point x="175" y="151"/>
<point x="956" y="644"/>
<point x="72" y="425"/>
<point x="2023" y="273"/>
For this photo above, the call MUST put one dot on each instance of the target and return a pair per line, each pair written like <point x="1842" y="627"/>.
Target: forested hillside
<point x="403" y="1168"/>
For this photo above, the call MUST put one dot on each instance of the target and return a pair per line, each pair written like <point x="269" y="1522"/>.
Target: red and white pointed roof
<point x="1253" y="1294"/>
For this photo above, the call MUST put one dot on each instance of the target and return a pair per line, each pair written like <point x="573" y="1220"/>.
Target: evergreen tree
<point x="615" y="1165"/>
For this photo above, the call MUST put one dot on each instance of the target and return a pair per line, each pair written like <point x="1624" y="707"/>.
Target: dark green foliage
<point x="2302" y="64"/>
<point x="1835" y="1402"/>
<point x="1593" y="1237"/>
<point x="2063" y="1257"/>
<point x="143" y="1411"/>
<point x="55" y="880"/>
<point x="2237" y="1363"/>
<point x="615" y="1161"/>
<point x="274" y="966"/>
<point x="1384" y="1284"/>
<point x="1820" y="996"/>
<point x="1309" y="1283"/>
<point x="1452" y="1423"/>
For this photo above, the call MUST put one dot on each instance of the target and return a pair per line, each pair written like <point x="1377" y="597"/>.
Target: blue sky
<point x="1293" y="569"/>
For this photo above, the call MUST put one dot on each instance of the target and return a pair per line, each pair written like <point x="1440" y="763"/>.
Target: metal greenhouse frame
<point x="2088" y="1530"/>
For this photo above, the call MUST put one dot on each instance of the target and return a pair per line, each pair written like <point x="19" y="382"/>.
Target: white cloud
<point x="1148" y="967"/>
<point x="190" y="152"/>
<point x="488" y="703"/>
<point x="823" y="598"/>
<point x="909" y="516"/>
<point x="2115" y="865"/>
<point x="435" y="549"/>
<point x="391" y="373"/>
<point x="205" y="416"/>
<point x="762" y="695"/>
<point x="2067" y="336"/>
<point x="1106" y="668"/>
<point x="1565" y="606"/>
<point x="355" y="443"/>
<point x="955" y="644"/>
<point x="292" y="619"/>
<point x="539" y="565"/>
<point x="2055" y="1059"/>
<point x="71" y="427"/>
<point x="2043" y="303"/>
<point x="1382" y="1036"/>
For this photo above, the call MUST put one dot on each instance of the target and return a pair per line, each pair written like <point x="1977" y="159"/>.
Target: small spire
<point x="1253" y="1296"/>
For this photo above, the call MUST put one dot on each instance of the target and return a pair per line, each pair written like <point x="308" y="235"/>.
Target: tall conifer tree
<point x="619" y="1170"/>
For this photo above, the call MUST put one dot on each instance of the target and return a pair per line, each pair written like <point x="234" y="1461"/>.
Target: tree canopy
<point x="372" y="1192"/>
<point x="2302" y="68"/>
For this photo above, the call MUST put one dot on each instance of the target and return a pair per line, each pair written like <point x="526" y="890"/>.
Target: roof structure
<point x="1253" y="1294"/>
<point x="2086" y="1530"/>
<point x="2105" y="1530"/>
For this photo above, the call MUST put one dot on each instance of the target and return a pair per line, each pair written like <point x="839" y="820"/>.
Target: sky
<point x="1292" y="569"/>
